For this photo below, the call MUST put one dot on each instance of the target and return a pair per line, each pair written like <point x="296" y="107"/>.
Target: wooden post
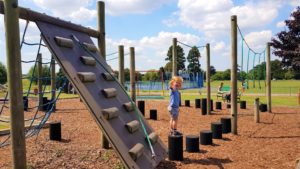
<point x="208" y="78"/>
<point x="14" y="74"/>
<point x="101" y="28"/>
<point x="256" y="110"/>
<point x="234" y="73"/>
<point x="53" y="78"/>
<point x="174" y="58"/>
<point x="132" y="74"/>
<point x="121" y="65"/>
<point x="269" y="101"/>
<point x="40" y="80"/>
<point x="102" y="49"/>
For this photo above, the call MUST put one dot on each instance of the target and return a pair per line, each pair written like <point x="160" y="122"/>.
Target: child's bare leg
<point x="175" y="124"/>
<point x="171" y="124"/>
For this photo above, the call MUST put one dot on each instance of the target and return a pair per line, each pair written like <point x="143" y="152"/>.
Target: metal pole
<point x="53" y="78"/>
<point x="269" y="99"/>
<point x="256" y="110"/>
<point x="102" y="49"/>
<point x="14" y="74"/>
<point x="121" y="65"/>
<point x="132" y="74"/>
<point x="40" y="80"/>
<point x="101" y="28"/>
<point x="208" y="78"/>
<point x="174" y="58"/>
<point x="234" y="73"/>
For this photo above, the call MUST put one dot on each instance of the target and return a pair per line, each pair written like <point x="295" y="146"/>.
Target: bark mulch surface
<point x="272" y="143"/>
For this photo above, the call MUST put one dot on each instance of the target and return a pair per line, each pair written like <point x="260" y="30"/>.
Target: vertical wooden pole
<point x="53" y="78"/>
<point x="14" y="74"/>
<point x="102" y="48"/>
<point x="256" y="110"/>
<point x="208" y="78"/>
<point x="174" y="58"/>
<point x="269" y="101"/>
<point x="121" y="65"/>
<point x="234" y="73"/>
<point x="40" y="80"/>
<point x="132" y="74"/>
<point x="101" y="28"/>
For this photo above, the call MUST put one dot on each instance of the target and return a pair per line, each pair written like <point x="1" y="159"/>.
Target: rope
<point x="248" y="68"/>
<point x="242" y="60"/>
<point x="112" y="59"/>
<point x="253" y="72"/>
<point x="24" y="32"/>
<point x="191" y="46"/>
<point x="259" y="71"/>
<point x="107" y="69"/>
<point x="113" y="53"/>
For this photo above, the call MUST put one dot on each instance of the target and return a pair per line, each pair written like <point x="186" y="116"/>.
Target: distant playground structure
<point x="105" y="94"/>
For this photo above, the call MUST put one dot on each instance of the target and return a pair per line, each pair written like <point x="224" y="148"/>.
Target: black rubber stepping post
<point x="219" y="105"/>
<point x="153" y="114"/>
<point x="198" y="103"/>
<point x="216" y="128"/>
<point x="187" y="103"/>
<point x="206" y="137"/>
<point x="228" y="105"/>
<point x="192" y="143"/>
<point x="226" y="124"/>
<point x="45" y="104"/>
<point x="211" y="105"/>
<point x="175" y="147"/>
<point x="141" y="106"/>
<point x="263" y="107"/>
<point x="203" y="106"/>
<point x="55" y="131"/>
<point x="25" y="102"/>
<point x="242" y="104"/>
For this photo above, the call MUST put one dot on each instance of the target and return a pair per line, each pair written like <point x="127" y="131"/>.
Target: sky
<point x="149" y="26"/>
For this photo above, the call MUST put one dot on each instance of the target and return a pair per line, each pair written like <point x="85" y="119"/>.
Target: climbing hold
<point x="128" y="106"/>
<point x="153" y="137"/>
<point x="90" y="47"/>
<point x="133" y="126"/>
<point x="109" y="92"/>
<point x="63" y="42"/>
<point x="87" y="60"/>
<point x="110" y="113"/>
<point x="108" y="77"/>
<point x="136" y="151"/>
<point x="86" y="76"/>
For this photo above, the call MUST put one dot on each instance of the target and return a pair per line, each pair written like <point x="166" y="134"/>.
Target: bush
<point x="3" y="74"/>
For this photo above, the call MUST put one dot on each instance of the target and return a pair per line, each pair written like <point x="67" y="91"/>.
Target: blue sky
<point x="149" y="26"/>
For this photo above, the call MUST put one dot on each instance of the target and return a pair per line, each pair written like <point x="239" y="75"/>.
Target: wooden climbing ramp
<point x="105" y="98"/>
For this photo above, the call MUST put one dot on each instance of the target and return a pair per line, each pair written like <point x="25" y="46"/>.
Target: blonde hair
<point x="176" y="79"/>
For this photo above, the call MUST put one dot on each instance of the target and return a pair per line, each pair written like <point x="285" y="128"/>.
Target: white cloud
<point x="280" y="24"/>
<point x="258" y="40"/>
<point x="119" y="7"/>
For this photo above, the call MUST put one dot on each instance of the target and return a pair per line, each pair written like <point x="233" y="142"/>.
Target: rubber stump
<point x="192" y="143"/>
<point x="175" y="147"/>
<point x="55" y="131"/>
<point x="242" y="104"/>
<point x="25" y="102"/>
<point x="45" y="104"/>
<point x="211" y="105"/>
<point x="226" y="124"/>
<point x="187" y="103"/>
<point x="198" y="103"/>
<point x="204" y="106"/>
<point x="216" y="128"/>
<point x="141" y="106"/>
<point x="153" y="114"/>
<point x="228" y="105"/>
<point x="206" y="137"/>
<point x="219" y="105"/>
<point x="263" y="107"/>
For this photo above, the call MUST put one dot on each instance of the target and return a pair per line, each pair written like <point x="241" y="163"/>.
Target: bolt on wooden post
<point x="234" y="73"/>
<point x="14" y="74"/>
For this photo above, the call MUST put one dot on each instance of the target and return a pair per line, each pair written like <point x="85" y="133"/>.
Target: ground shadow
<point x="226" y="139"/>
<point x="166" y="164"/>
<point x="275" y="137"/>
<point x="65" y="140"/>
<point x="208" y="161"/>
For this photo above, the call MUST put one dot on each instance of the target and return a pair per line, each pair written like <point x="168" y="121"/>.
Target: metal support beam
<point x="14" y="74"/>
<point x="234" y="73"/>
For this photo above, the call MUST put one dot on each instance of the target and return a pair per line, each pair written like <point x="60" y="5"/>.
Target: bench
<point x="226" y="90"/>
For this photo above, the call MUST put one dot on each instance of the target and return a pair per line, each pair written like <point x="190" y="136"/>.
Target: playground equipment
<point x="115" y="113"/>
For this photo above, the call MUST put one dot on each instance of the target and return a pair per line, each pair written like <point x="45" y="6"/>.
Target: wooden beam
<point x="33" y="16"/>
<point x="174" y="58"/>
<point x="208" y="78"/>
<point x="101" y="28"/>
<point x="121" y="66"/>
<point x="14" y="74"/>
<point x="268" y="76"/>
<point x="132" y="74"/>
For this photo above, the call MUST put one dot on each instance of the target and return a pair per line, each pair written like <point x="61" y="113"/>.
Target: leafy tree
<point x="180" y="57"/>
<point x="151" y="76"/>
<point x="3" y="74"/>
<point x="45" y="75"/>
<point x="212" y="70"/>
<point x="193" y="59"/>
<point x="286" y="43"/>
<point x="168" y="67"/>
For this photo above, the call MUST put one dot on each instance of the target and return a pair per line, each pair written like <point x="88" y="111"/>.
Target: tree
<point x="286" y="43"/>
<point x="168" y="67"/>
<point x="151" y="76"/>
<point x="3" y="74"/>
<point x="45" y="75"/>
<point x="180" y="57"/>
<point x="212" y="70"/>
<point x="193" y="59"/>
